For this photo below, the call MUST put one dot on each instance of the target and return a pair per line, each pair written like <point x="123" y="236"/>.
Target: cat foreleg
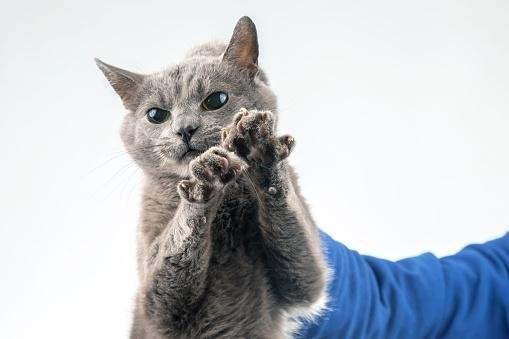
<point x="177" y="263"/>
<point x="295" y="263"/>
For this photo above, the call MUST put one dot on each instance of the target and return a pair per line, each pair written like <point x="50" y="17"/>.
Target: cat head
<point x="176" y="114"/>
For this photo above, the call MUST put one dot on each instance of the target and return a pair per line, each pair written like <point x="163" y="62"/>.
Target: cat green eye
<point x="215" y="101"/>
<point x="157" y="115"/>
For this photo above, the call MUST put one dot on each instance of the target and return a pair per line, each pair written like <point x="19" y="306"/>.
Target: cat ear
<point x="125" y="83"/>
<point x="243" y="48"/>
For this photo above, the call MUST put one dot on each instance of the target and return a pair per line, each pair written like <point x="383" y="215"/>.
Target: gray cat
<point x="227" y="248"/>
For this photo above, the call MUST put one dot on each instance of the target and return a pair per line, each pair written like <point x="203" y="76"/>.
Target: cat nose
<point x="186" y="132"/>
<point x="185" y="126"/>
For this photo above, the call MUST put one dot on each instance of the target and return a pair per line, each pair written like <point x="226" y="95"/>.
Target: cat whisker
<point x="124" y="175"/>
<point x="119" y="154"/>
<point x="118" y="172"/>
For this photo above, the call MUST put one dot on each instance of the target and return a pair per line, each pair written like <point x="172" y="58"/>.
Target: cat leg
<point x="296" y="267"/>
<point x="177" y="263"/>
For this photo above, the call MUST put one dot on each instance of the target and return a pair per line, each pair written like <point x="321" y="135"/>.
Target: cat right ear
<point x="125" y="83"/>
<point x="242" y="50"/>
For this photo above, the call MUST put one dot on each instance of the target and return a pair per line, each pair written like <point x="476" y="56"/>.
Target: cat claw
<point x="211" y="172"/>
<point x="251" y="136"/>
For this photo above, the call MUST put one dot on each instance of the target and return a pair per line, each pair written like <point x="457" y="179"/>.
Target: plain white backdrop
<point x="400" y="110"/>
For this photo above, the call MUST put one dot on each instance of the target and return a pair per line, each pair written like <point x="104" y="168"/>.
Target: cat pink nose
<point x="186" y="133"/>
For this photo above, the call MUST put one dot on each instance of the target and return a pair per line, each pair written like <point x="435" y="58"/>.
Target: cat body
<point x="227" y="247"/>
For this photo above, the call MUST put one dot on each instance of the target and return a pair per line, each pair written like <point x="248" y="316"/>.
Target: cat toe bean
<point x="284" y="147"/>
<point x="216" y="166"/>
<point x="251" y="136"/>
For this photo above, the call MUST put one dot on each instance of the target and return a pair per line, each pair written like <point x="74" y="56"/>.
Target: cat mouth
<point x="190" y="153"/>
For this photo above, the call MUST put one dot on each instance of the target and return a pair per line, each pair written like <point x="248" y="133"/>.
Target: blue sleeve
<point x="461" y="296"/>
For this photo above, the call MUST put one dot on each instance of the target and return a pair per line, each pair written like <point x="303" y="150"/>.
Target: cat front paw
<point x="211" y="172"/>
<point x="252" y="137"/>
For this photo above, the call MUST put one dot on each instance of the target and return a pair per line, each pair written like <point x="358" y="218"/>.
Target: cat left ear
<point x="242" y="50"/>
<point x="125" y="83"/>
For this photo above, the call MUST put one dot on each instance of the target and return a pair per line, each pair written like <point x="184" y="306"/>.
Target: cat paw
<point x="251" y="136"/>
<point x="211" y="172"/>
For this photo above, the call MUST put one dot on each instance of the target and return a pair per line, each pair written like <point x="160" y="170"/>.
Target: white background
<point x="400" y="110"/>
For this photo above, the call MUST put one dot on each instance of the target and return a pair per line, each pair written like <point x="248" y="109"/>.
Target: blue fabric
<point x="460" y="296"/>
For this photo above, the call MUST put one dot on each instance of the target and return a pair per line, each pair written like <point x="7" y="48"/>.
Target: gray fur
<point x="227" y="248"/>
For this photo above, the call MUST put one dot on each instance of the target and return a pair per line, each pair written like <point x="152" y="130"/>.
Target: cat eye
<point x="215" y="101"/>
<point x="157" y="115"/>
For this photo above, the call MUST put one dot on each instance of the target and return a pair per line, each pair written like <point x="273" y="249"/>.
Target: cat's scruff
<point x="227" y="248"/>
